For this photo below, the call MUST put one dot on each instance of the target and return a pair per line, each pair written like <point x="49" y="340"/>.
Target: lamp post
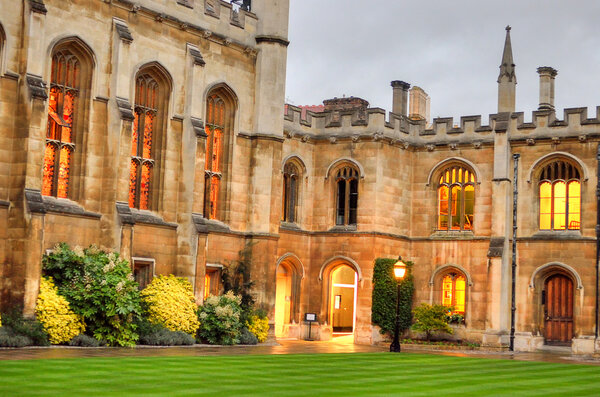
<point x="399" y="273"/>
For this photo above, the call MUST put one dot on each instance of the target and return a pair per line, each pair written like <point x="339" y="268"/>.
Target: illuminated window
<point x="62" y="105"/>
<point x="456" y="199"/>
<point x="560" y="197"/>
<point x="453" y="292"/>
<point x="211" y="281"/>
<point x="142" y="159"/>
<point x="346" y="196"/>
<point x="290" y="192"/>
<point x="218" y="120"/>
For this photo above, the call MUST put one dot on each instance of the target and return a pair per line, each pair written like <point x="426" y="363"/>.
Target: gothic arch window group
<point x="559" y="191"/>
<point x="456" y="198"/>
<point x="346" y="183"/>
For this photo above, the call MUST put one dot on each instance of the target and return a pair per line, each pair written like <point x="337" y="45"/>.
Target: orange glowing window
<point x="211" y="282"/>
<point x="453" y="292"/>
<point x="560" y="197"/>
<point x="215" y="131"/>
<point x="62" y="102"/>
<point x="456" y="199"/>
<point x="142" y="159"/>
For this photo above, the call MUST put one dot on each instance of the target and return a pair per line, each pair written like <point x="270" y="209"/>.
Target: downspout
<point x="597" y="240"/>
<point x="513" y="306"/>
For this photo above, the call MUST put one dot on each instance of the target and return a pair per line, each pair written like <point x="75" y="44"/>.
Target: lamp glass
<point x="399" y="270"/>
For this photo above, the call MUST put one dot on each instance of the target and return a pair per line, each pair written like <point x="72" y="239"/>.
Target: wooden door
<point x="559" y="310"/>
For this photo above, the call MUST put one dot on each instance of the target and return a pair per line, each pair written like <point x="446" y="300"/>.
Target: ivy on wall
<point x="383" y="309"/>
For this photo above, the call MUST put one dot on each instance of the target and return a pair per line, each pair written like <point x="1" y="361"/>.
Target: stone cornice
<point x="273" y="40"/>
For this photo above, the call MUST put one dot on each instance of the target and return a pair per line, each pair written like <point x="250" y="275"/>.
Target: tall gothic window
<point x="453" y="292"/>
<point x="142" y="151"/>
<point x="215" y="129"/>
<point x="291" y="177"/>
<point x="346" y="196"/>
<point x="560" y="197"/>
<point x="456" y="198"/>
<point x="62" y="105"/>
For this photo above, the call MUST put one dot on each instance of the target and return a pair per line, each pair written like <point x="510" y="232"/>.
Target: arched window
<point x="219" y="119"/>
<point x="560" y="196"/>
<point x="60" y="143"/>
<point x="456" y="198"/>
<point x="291" y="176"/>
<point x="142" y="159"/>
<point x="453" y="291"/>
<point x="152" y="88"/>
<point x="346" y="181"/>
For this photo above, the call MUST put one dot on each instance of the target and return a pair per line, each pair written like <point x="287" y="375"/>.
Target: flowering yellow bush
<point x="170" y="302"/>
<point x="259" y="326"/>
<point x="55" y="314"/>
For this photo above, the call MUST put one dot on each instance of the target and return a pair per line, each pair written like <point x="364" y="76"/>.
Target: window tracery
<point x="346" y="181"/>
<point x="456" y="198"/>
<point x="60" y="143"/>
<point x="453" y="292"/>
<point x="215" y="127"/>
<point x="560" y="196"/>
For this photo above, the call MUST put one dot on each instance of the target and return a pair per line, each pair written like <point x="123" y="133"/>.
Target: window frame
<point x="447" y="178"/>
<point x="213" y="272"/>
<point x="347" y="176"/>
<point x="292" y="177"/>
<point x="141" y="262"/>
<point x="554" y="172"/>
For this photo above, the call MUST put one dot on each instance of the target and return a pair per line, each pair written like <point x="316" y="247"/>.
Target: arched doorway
<point x="557" y="299"/>
<point x="283" y="298"/>
<point x="342" y="299"/>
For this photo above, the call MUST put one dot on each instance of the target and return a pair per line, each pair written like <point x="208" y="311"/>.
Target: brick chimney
<point x="547" y="75"/>
<point x="400" y="97"/>
<point x="349" y="103"/>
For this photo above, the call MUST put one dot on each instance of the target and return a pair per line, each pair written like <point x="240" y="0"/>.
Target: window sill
<point x="47" y="204"/>
<point x="558" y="235"/>
<point x="132" y="216"/>
<point x="452" y="235"/>
<point x="289" y="226"/>
<point x="343" y="228"/>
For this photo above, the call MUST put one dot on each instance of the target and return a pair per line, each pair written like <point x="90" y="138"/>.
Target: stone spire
<point x="507" y="79"/>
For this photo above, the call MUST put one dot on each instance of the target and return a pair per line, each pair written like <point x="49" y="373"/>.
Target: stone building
<point x="155" y="128"/>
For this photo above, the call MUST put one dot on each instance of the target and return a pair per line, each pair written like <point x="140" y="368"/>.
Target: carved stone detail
<point x="530" y="141"/>
<point x="125" y="109"/>
<point x="37" y="86"/>
<point x="123" y="32"/>
<point x="430" y="147"/>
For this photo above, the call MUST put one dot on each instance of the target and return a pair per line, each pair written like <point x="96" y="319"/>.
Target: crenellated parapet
<point x="226" y="22"/>
<point x="443" y="132"/>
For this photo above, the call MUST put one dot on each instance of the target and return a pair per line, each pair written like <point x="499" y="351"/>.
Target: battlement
<point x="231" y="22"/>
<point x="371" y="124"/>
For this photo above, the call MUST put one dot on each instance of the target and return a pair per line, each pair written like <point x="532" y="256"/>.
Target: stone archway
<point x="343" y="288"/>
<point x="288" y="278"/>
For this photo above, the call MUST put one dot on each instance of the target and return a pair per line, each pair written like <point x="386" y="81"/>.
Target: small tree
<point x="431" y="318"/>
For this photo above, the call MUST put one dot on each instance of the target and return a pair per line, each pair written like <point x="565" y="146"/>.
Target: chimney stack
<point x="400" y="98"/>
<point x="419" y="104"/>
<point x="547" y="75"/>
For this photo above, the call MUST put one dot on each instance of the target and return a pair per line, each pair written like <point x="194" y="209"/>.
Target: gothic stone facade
<point x="309" y="195"/>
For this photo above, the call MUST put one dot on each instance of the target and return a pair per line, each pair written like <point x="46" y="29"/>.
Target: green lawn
<point x="301" y="374"/>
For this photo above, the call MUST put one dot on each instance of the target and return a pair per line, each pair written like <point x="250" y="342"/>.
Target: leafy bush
<point x="431" y="318"/>
<point x="83" y="340"/>
<point x="247" y="337"/>
<point x="385" y="295"/>
<point x="455" y="318"/>
<point x="166" y="337"/>
<point x="220" y="320"/>
<point x="17" y="325"/>
<point x="55" y="314"/>
<point x="8" y="338"/>
<point x="100" y="287"/>
<point x="170" y="302"/>
<point x="259" y="326"/>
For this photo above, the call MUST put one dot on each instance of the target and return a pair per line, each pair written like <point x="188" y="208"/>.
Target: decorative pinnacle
<point x="507" y="67"/>
<point x="508" y="28"/>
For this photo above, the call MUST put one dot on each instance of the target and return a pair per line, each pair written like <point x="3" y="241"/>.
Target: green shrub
<point x="385" y="295"/>
<point x="83" y="340"/>
<point x="30" y="328"/>
<point x="247" y="337"/>
<point x="166" y="337"/>
<point x="431" y="318"/>
<point x="100" y="287"/>
<point x="170" y="302"/>
<point x="220" y="320"/>
<point x="8" y="338"/>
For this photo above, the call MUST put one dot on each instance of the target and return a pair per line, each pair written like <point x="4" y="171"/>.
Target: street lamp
<point x="399" y="273"/>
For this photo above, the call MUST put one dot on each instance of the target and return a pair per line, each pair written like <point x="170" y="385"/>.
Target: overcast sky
<point x="451" y="49"/>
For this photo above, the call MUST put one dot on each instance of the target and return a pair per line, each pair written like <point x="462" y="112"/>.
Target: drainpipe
<point x="513" y="306"/>
<point x="597" y="239"/>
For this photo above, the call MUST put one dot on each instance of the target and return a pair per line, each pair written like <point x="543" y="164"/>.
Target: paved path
<point x="338" y="345"/>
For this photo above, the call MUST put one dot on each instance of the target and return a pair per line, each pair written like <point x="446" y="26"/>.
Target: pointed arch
<point x="295" y="261"/>
<point x="340" y="161"/>
<point x="556" y="156"/>
<point x="540" y="271"/>
<point x="436" y="168"/>
<point x="340" y="259"/>
<point x="449" y="266"/>
<point x="297" y="159"/>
